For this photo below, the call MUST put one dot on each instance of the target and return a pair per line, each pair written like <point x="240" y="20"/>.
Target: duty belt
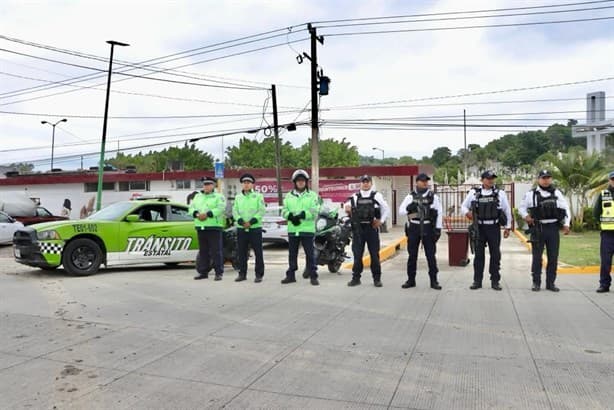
<point x="488" y="222"/>
<point x="417" y="221"/>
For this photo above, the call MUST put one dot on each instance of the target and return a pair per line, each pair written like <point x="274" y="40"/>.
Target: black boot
<point x="495" y="285"/>
<point x="241" y="278"/>
<point x="603" y="289"/>
<point x="354" y="282"/>
<point x="409" y="284"/>
<point x="288" y="279"/>
<point x="475" y="285"/>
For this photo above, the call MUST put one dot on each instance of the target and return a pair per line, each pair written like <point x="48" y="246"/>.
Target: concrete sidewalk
<point x="152" y="338"/>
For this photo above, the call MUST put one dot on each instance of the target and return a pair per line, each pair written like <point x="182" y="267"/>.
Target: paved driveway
<point x="146" y="338"/>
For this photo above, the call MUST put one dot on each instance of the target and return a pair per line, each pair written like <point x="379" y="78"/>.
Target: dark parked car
<point x="42" y="215"/>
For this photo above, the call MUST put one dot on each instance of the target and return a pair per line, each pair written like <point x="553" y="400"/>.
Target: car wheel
<point x="82" y="257"/>
<point x="334" y="266"/>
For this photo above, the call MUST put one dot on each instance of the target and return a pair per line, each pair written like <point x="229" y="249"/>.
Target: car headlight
<point x="47" y="235"/>
<point x="321" y="224"/>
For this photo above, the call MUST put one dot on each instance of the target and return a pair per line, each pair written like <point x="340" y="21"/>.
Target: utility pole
<point x="465" y="141"/>
<point x="104" y="124"/>
<point x="277" y="145"/>
<point x="315" y="143"/>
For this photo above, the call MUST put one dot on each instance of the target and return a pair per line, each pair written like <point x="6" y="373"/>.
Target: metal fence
<point x="452" y="197"/>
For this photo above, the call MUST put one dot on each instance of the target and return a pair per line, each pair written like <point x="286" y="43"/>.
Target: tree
<point x="441" y="155"/>
<point x="189" y="156"/>
<point x="577" y="173"/>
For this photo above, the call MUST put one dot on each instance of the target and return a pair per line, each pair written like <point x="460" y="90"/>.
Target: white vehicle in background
<point x="274" y="226"/>
<point x="8" y="226"/>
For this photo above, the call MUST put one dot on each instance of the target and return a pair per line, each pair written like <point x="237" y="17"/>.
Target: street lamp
<point x="379" y="149"/>
<point x="104" y="124"/>
<point x="53" y="136"/>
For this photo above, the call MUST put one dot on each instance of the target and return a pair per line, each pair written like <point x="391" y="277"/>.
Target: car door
<point x="151" y="239"/>
<point x="8" y="226"/>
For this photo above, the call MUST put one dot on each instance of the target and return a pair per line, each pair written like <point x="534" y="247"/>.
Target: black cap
<point x="544" y="173"/>
<point x="208" y="180"/>
<point x="488" y="174"/>
<point x="365" y="177"/>
<point x="423" y="177"/>
<point x="248" y="178"/>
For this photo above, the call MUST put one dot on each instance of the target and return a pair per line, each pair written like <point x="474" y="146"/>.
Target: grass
<point x="580" y="249"/>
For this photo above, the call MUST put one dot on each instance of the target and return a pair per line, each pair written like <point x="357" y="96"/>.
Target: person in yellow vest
<point x="604" y="213"/>
<point x="208" y="208"/>
<point x="248" y="210"/>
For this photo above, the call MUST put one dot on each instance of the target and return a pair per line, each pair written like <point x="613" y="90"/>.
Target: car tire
<point x="82" y="257"/>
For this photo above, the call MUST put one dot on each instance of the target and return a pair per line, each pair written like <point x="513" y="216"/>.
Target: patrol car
<point x="149" y="230"/>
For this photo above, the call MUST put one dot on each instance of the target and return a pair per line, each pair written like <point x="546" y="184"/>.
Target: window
<point x="179" y="214"/>
<point x="134" y="186"/>
<point x="93" y="186"/>
<point x="183" y="184"/>
<point x="151" y="213"/>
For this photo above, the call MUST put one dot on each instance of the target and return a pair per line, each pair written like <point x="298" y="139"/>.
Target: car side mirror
<point x="132" y="218"/>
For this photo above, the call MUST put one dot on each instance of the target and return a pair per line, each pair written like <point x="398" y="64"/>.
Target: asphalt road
<point x="153" y="338"/>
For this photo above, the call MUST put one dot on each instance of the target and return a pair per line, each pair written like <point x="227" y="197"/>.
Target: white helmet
<point x="300" y="173"/>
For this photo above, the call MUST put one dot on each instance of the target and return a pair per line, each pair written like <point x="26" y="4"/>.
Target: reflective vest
<point x="607" y="211"/>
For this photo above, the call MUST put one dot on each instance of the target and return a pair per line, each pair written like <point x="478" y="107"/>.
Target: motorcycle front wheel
<point x="334" y="266"/>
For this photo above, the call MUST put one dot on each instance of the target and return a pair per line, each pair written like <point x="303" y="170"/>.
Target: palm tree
<point x="577" y="174"/>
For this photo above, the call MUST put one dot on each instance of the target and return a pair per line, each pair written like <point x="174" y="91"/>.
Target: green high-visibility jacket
<point x="296" y="202"/>
<point x="248" y="207"/>
<point x="213" y="205"/>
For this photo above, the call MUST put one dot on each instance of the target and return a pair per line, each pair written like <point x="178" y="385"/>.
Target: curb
<point x="386" y="252"/>
<point x="575" y="270"/>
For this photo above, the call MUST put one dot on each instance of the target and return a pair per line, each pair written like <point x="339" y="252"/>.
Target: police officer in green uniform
<point x="247" y="211"/>
<point x="300" y="208"/>
<point x="604" y="212"/>
<point x="545" y="209"/>
<point x="207" y="208"/>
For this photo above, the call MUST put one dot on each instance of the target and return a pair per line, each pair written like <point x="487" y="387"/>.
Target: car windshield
<point x="112" y="212"/>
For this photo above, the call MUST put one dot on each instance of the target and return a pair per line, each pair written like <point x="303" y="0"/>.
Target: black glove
<point x="240" y="221"/>
<point x="437" y="234"/>
<point x="296" y="220"/>
<point x="253" y="221"/>
<point x="301" y="215"/>
<point x="290" y="216"/>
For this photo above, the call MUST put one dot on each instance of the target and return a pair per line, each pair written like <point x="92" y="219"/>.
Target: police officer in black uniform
<point x="604" y="213"/>
<point x="545" y="209"/>
<point x="424" y="216"/>
<point x="368" y="211"/>
<point x="490" y="207"/>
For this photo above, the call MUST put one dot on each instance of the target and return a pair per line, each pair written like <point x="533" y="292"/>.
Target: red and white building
<point x="336" y="185"/>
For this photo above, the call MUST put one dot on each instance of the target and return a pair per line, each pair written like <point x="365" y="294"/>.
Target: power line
<point x="478" y="93"/>
<point x="468" y="17"/>
<point x="414" y="30"/>
<point x="462" y="12"/>
<point x="142" y="65"/>
<point x="496" y="102"/>
<point x="128" y="117"/>
<point x="137" y="93"/>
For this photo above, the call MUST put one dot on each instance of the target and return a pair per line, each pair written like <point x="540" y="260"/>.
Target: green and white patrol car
<point x="125" y="233"/>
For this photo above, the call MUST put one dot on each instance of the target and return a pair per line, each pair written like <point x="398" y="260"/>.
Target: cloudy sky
<point x="201" y="79"/>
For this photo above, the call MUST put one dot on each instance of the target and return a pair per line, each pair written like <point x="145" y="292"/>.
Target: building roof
<point x="71" y="177"/>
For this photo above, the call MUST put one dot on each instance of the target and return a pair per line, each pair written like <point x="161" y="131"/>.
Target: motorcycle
<point x="332" y="236"/>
